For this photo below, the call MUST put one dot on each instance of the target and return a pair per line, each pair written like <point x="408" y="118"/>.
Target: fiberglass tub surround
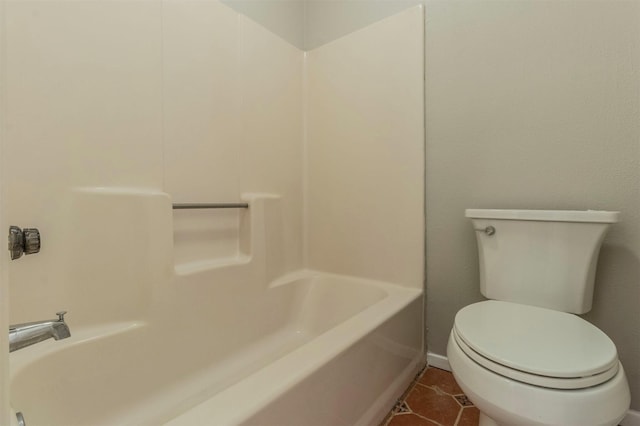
<point x="303" y="308"/>
<point x="188" y="354"/>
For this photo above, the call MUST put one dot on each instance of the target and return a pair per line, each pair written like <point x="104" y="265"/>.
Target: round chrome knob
<point x="25" y="241"/>
<point x="31" y="240"/>
<point x="16" y="242"/>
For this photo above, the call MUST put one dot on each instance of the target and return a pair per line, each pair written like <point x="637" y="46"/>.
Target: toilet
<point x="523" y="357"/>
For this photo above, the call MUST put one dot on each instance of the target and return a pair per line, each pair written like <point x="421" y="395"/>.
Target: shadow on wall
<point x="615" y="304"/>
<point x="308" y="24"/>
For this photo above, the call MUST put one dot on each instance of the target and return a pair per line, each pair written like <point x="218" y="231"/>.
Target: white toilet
<point x="524" y="358"/>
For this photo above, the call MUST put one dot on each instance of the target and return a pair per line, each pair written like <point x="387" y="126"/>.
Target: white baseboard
<point x="632" y="419"/>
<point x="440" y="361"/>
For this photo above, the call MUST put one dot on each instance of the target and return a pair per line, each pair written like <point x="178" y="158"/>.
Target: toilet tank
<point x="544" y="258"/>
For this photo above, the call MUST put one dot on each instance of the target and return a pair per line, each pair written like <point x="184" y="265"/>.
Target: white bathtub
<point x="310" y="349"/>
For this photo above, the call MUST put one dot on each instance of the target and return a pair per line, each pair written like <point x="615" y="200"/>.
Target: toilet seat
<point x="534" y="345"/>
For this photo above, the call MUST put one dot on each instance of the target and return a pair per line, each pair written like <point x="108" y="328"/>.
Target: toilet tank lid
<point x="595" y="216"/>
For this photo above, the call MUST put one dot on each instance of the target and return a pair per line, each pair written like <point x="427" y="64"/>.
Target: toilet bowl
<point x="523" y="365"/>
<point x="523" y="357"/>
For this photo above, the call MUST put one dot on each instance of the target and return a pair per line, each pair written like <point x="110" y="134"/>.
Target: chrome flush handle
<point x="489" y="230"/>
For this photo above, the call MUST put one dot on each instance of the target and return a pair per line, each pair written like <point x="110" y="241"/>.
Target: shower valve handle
<point x="25" y="241"/>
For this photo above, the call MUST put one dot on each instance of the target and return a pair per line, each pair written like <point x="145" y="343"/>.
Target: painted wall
<point x="533" y="105"/>
<point x="308" y="24"/>
<point x="285" y="18"/>
<point x="365" y="152"/>
<point x="327" y="20"/>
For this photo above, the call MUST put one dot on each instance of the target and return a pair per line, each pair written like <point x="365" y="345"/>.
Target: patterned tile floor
<point x="434" y="398"/>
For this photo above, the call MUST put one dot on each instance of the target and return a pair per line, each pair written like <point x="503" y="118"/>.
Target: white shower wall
<point x="365" y="172"/>
<point x="131" y="99"/>
<point x="189" y="97"/>
<point x="232" y="124"/>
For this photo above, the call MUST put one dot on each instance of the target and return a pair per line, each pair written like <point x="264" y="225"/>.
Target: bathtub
<point x="308" y="349"/>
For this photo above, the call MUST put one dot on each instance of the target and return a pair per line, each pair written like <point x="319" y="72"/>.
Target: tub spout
<point x="27" y="334"/>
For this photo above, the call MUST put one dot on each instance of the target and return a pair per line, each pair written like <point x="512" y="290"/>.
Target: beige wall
<point x="534" y="105"/>
<point x="365" y="168"/>
<point x="286" y="18"/>
<point x="327" y="20"/>
<point x="308" y="24"/>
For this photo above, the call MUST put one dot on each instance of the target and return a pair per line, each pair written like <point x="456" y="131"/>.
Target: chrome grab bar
<point x="489" y="230"/>
<point x="185" y="206"/>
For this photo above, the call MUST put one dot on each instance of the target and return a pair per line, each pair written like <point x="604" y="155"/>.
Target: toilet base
<point x="511" y="403"/>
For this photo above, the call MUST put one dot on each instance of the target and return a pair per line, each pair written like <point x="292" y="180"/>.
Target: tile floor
<point x="434" y="398"/>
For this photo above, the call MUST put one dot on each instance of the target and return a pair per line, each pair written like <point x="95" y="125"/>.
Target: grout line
<point x="416" y="381"/>
<point x="459" y="416"/>
<point x="431" y="420"/>
<point x="410" y="409"/>
<point x="466" y="398"/>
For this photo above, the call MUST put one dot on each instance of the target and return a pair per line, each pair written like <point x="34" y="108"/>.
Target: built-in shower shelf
<point x="195" y="267"/>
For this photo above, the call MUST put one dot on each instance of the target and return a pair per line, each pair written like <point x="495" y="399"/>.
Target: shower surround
<point x="307" y="305"/>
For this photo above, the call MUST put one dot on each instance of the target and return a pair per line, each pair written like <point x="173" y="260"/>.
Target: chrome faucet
<point x="27" y="334"/>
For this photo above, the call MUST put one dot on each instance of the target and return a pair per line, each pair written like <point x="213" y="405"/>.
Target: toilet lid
<point x="536" y="341"/>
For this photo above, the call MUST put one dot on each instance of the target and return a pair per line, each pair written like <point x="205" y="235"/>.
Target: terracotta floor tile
<point x="409" y="420"/>
<point x="470" y="417"/>
<point x="441" y="379"/>
<point x="433" y="405"/>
